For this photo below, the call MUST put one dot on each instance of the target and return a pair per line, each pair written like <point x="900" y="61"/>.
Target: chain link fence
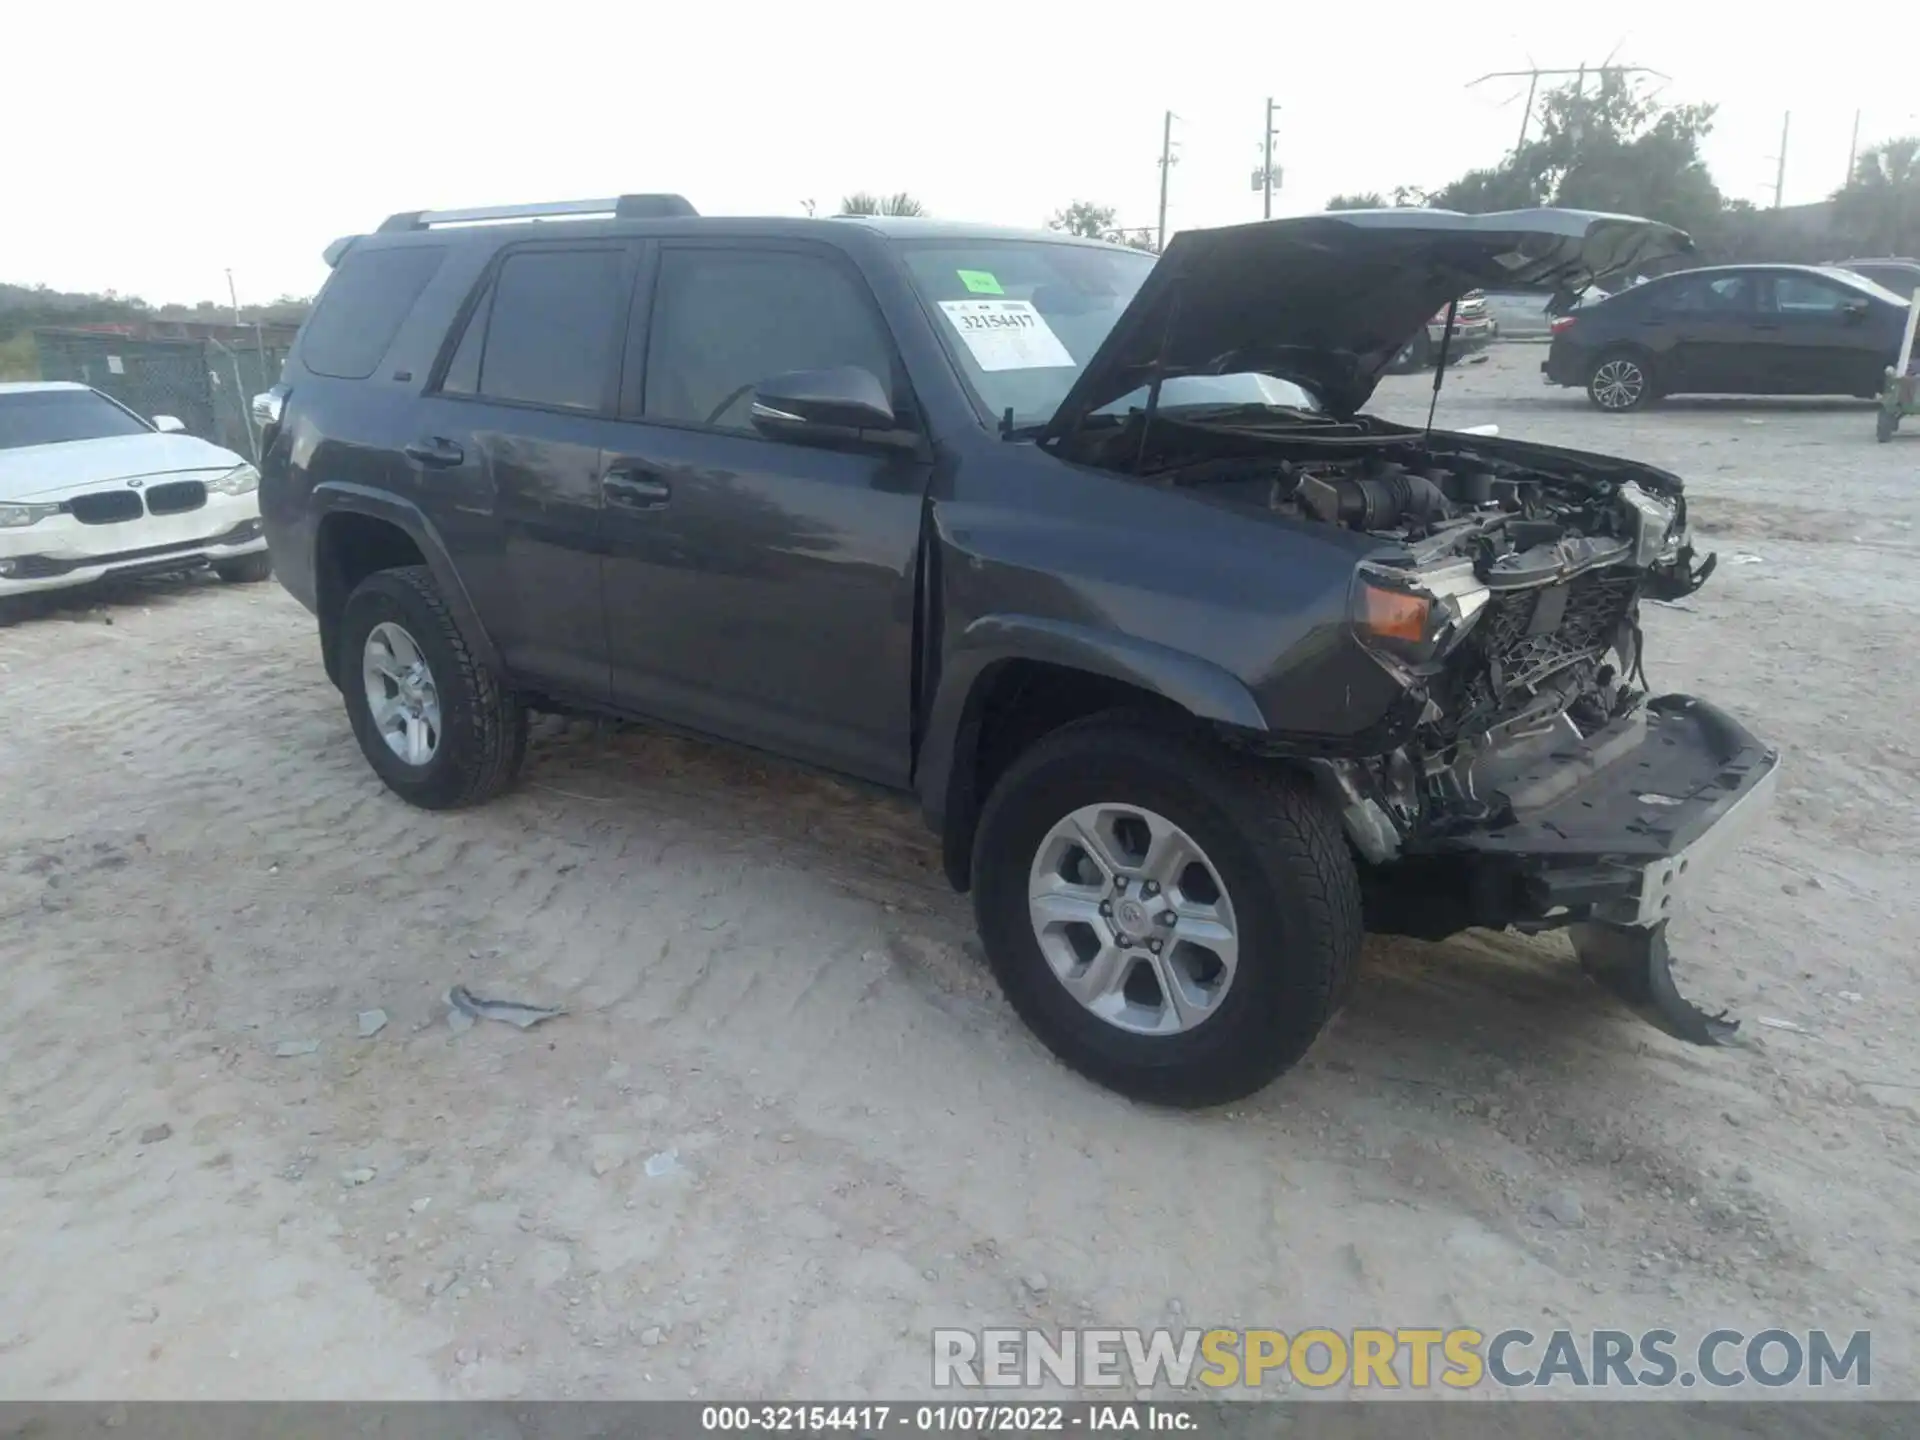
<point x="207" y="384"/>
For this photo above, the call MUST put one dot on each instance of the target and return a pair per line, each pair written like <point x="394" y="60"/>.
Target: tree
<point x="1404" y="196"/>
<point x="899" y="203"/>
<point x="1601" y="145"/>
<point x="1878" y="209"/>
<point x="1083" y="217"/>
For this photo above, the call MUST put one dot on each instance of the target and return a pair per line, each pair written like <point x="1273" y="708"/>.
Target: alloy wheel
<point x="401" y="695"/>
<point x="1133" y="919"/>
<point x="1618" y="384"/>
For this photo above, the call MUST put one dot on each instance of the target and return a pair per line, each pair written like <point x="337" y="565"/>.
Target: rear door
<point x="511" y="447"/>
<point x="1829" y="339"/>
<point x="1707" y="328"/>
<point x="762" y="589"/>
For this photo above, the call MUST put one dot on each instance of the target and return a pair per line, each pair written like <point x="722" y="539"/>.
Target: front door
<point x="512" y="447"/>
<point x="762" y="589"/>
<point x="1828" y="338"/>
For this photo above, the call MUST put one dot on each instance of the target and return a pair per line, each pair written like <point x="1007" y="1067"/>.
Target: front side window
<point x="55" y="417"/>
<point x="1022" y="318"/>
<point x="1804" y="295"/>
<point x="726" y="319"/>
<point x="550" y="327"/>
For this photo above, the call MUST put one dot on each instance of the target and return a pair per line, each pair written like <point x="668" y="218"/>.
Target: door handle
<point x="436" y="452"/>
<point x="636" y="489"/>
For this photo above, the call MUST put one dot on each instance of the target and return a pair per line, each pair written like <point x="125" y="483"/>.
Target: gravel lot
<point x="788" y="1126"/>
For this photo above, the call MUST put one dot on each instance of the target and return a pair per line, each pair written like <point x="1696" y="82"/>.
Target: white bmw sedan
<point x="88" y="489"/>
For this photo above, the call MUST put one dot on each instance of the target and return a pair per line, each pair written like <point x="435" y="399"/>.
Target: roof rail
<point x="621" y="207"/>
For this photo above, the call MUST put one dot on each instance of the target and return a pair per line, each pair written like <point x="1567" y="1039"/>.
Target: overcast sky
<point x="151" y="147"/>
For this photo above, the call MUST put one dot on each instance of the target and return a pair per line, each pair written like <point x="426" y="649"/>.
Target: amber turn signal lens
<point x="1394" y="614"/>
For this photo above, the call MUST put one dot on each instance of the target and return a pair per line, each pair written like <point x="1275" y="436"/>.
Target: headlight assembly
<point x="18" y="517"/>
<point x="241" y="480"/>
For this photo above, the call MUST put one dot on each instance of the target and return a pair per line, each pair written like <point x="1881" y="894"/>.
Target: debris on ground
<point x="371" y="1023"/>
<point x="462" y="1001"/>
<point x="143" y="1314"/>
<point x="666" y="1162"/>
<point x="154" y="1134"/>
<point x="421" y="1204"/>
<point x="287" y="1049"/>
<point x="1565" y="1207"/>
<point x="360" y="1176"/>
<point x="1749" y="560"/>
<point x="1774" y="1022"/>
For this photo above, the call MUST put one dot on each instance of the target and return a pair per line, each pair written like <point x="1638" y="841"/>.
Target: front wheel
<point x="1620" y="382"/>
<point x="434" y="722"/>
<point x="1172" y="921"/>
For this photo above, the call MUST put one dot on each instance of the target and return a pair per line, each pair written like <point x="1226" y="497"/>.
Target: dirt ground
<point x="788" y="1126"/>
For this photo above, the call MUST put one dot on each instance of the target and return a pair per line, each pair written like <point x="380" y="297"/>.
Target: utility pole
<point x="234" y="296"/>
<point x="1266" y="171"/>
<point x="1780" y="169"/>
<point x="1166" y="164"/>
<point x="1533" y="84"/>
<point x="1853" y="150"/>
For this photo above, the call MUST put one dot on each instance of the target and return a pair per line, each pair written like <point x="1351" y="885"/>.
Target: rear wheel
<point x="245" y="569"/>
<point x="1620" y="381"/>
<point x="1171" y="921"/>
<point x="436" y="725"/>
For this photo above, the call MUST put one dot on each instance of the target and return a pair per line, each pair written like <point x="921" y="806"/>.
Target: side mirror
<point x="169" y="425"/>
<point x="844" y="398"/>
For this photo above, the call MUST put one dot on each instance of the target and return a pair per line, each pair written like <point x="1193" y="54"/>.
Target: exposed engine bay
<point x="1511" y="603"/>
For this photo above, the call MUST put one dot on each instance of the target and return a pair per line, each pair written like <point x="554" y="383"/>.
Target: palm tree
<point x="900" y="203"/>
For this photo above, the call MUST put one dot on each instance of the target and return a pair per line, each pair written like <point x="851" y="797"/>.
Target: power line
<point x="1533" y="75"/>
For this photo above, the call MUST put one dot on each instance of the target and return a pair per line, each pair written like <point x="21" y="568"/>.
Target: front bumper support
<point x="1608" y="833"/>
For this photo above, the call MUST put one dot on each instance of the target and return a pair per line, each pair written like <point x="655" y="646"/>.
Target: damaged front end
<point x="1542" y="786"/>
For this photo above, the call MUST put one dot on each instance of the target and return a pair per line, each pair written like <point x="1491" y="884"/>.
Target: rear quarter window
<point x="361" y="309"/>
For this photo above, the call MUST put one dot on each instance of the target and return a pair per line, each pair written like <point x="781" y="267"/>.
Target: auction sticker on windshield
<point x="1006" y="334"/>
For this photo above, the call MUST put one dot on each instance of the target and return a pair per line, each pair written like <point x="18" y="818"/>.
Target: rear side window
<point x="547" y="333"/>
<point x="1710" y="294"/>
<point x="360" y="312"/>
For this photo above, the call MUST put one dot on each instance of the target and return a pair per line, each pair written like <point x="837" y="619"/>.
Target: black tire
<point x="1280" y="854"/>
<point x="1884" y="425"/>
<point x="1622" y="365"/>
<point x="484" y="735"/>
<point x="245" y="569"/>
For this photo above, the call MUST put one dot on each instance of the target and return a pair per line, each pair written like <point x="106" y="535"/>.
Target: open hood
<point x="1329" y="300"/>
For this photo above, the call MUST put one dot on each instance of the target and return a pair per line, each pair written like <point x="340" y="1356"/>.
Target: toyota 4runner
<point x="1195" y="668"/>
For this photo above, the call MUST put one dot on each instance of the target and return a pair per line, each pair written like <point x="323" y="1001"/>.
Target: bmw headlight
<point x="241" y="480"/>
<point x="17" y="517"/>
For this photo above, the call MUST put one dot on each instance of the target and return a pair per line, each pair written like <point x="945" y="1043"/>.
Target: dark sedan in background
<point x="1731" y="330"/>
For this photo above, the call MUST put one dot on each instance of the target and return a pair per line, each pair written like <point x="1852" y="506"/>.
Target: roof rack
<point x="620" y="207"/>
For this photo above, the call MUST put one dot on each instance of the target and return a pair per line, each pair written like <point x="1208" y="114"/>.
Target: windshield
<point x="1023" y="317"/>
<point x="53" y="417"/>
